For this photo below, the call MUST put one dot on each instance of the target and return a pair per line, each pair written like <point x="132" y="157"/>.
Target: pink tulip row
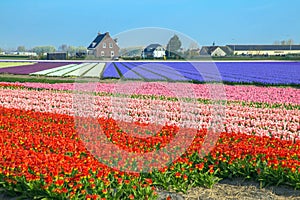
<point x="234" y="118"/>
<point x="205" y="91"/>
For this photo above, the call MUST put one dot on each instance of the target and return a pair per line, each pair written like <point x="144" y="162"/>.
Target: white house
<point x="154" y="51"/>
<point x="221" y="51"/>
<point x="215" y="51"/>
<point x="27" y="53"/>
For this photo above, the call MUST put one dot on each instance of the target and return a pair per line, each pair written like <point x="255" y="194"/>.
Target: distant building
<point x="206" y="50"/>
<point x="104" y="46"/>
<point x="57" y="56"/>
<point x="23" y="53"/>
<point x="154" y="51"/>
<point x="131" y="52"/>
<point x="27" y="53"/>
<point x="271" y="50"/>
<point x="222" y="51"/>
<point x="215" y="51"/>
<point x="250" y="50"/>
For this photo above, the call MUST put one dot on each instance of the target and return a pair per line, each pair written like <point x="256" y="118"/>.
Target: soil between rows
<point x="236" y="189"/>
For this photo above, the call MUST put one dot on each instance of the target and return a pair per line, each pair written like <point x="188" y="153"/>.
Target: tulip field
<point x="133" y="139"/>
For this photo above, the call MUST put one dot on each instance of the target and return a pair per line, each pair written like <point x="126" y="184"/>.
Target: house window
<point x="104" y="45"/>
<point x="102" y="53"/>
<point x="112" y="53"/>
<point x="110" y="45"/>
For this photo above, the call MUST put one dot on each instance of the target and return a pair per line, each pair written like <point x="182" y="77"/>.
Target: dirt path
<point x="236" y="190"/>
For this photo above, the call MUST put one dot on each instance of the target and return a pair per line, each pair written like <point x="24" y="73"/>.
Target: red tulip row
<point x="44" y="151"/>
<point x="62" y="157"/>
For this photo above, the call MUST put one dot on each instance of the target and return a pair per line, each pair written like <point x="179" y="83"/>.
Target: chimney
<point x="99" y="33"/>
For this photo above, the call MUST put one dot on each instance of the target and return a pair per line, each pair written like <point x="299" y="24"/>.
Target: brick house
<point x="104" y="46"/>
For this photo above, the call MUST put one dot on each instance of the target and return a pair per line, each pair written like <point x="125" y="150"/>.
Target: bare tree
<point x="63" y="48"/>
<point x="21" y="49"/>
<point x="290" y="42"/>
<point x="284" y="42"/>
<point x="193" y="45"/>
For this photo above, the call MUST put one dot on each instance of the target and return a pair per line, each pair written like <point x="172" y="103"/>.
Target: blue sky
<point x="73" y="22"/>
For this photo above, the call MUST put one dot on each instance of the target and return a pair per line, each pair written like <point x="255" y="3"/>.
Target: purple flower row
<point x="27" y="69"/>
<point x="236" y="72"/>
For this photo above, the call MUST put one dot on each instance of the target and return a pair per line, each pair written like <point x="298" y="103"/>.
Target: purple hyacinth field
<point x="270" y="73"/>
<point x="284" y="73"/>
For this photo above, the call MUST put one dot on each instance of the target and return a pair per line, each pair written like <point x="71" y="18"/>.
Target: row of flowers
<point x="247" y="93"/>
<point x="274" y="122"/>
<point x="44" y="155"/>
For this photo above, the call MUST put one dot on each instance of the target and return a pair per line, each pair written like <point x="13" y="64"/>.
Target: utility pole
<point x="233" y="45"/>
<point x="169" y="48"/>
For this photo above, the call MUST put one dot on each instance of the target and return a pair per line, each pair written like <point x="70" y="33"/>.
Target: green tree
<point x="173" y="45"/>
<point x="72" y="50"/>
<point x="81" y="49"/>
<point x="43" y="49"/>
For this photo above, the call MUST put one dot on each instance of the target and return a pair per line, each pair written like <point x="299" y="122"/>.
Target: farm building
<point x="25" y="53"/>
<point x="216" y="51"/>
<point x="154" y="51"/>
<point x="250" y="50"/>
<point x="132" y="51"/>
<point x="57" y="56"/>
<point x="271" y="50"/>
<point x="104" y="46"/>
